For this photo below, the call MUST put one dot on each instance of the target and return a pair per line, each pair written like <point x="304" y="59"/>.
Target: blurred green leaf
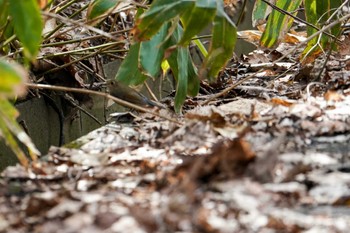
<point x="222" y="45"/>
<point x="3" y="13"/>
<point x="9" y="138"/>
<point x="160" y="12"/>
<point x="129" y="72"/>
<point x="171" y="43"/>
<point x="98" y="8"/>
<point x="317" y="13"/>
<point x="334" y="5"/>
<point x="193" y="80"/>
<point x="12" y="76"/>
<point x="196" y="18"/>
<point x="6" y="28"/>
<point x="184" y="71"/>
<point x="27" y="24"/>
<point x="152" y="52"/>
<point x="181" y="88"/>
<point x="260" y="12"/>
<point x="201" y="47"/>
<point x="10" y="127"/>
<point x="278" y="23"/>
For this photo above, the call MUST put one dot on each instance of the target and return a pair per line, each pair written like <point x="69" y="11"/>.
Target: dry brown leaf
<point x="333" y="96"/>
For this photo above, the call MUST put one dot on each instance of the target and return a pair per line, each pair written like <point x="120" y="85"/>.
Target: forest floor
<point x="272" y="155"/>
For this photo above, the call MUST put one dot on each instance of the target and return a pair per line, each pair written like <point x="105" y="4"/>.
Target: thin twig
<point x="79" y="40"/>
<point x="48" y="36"/>
<point x="150" y="91"/>
<point x="82" y="50"/>
<point x="81" y="24"/>
<point x="73" y="102"/>
<point x="72" y="62"/>
<point x="117" y="100"/>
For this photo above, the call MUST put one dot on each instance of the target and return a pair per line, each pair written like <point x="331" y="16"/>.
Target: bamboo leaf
<point x="195" y="19"/>
<point x="317" y="13"/>
<point x="129" y="72"/>
<point x="260" y="12"/>
<point x="12" y="77"/>
<point x="160" y="12"/>
<point x="221" y="47"/>
<point x="152" y="52"/>
<point x="27" y="24"/>
<point x="278" y="23"/>
<point x="99" y="8"/>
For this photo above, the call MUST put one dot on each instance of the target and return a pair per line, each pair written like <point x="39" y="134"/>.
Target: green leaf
<point x="317" y="13"/>
<point x="10" y="140"/>
<point x="195" y="19"/>
<point x="99" y="8"/>
<point x="10" y="127"/>
<point x="193" y="80"/>
<point x="278" y="23"/>
<point x="334" y="5"/>
<point x="3" y="14"/>
<point x="181" y="87"/>
<point x="27" y="24"/>
<point x="160" y="12"/>
<point x="129" y="72"/>
<point x="260" y="12"/>
<point x="12" y="76"/>
<point x="201" y="47"/>
<point x="152" y="52"/>
<point x="184" y="71"/>
<point x="222" y="45"/>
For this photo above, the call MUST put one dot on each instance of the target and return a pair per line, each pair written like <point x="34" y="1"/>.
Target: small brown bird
<point x="128" y="94"/>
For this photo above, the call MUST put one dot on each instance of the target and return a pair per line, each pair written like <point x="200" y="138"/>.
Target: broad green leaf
<point x="27" y="24"/>
<point x="129" y="72"/>
<point x="192" y="76"/>
<point x="11" y="80"/>
<point x="278" y="23"/>
<point x="193" y="80"/>
<point x="152" y="52"/>
<point x="318" y="13"/>
<point x="172" y="60"/>
<point x="184" y="71"/>
<point x="312" y="17"/>
<point x="160" y="12"/>
<point x="179" y="61"/>
<point x="221" y="47"/>
<point x="182" y="79"/>
<point x="98" y="8"/>
<point x="195" y="19"/>
<point x="334" y="5"/>
<point x="260" y="12"/>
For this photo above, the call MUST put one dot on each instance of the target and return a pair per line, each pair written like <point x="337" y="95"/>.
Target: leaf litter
<point x="248" y="165"/>
<point x="272" y="155"/>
